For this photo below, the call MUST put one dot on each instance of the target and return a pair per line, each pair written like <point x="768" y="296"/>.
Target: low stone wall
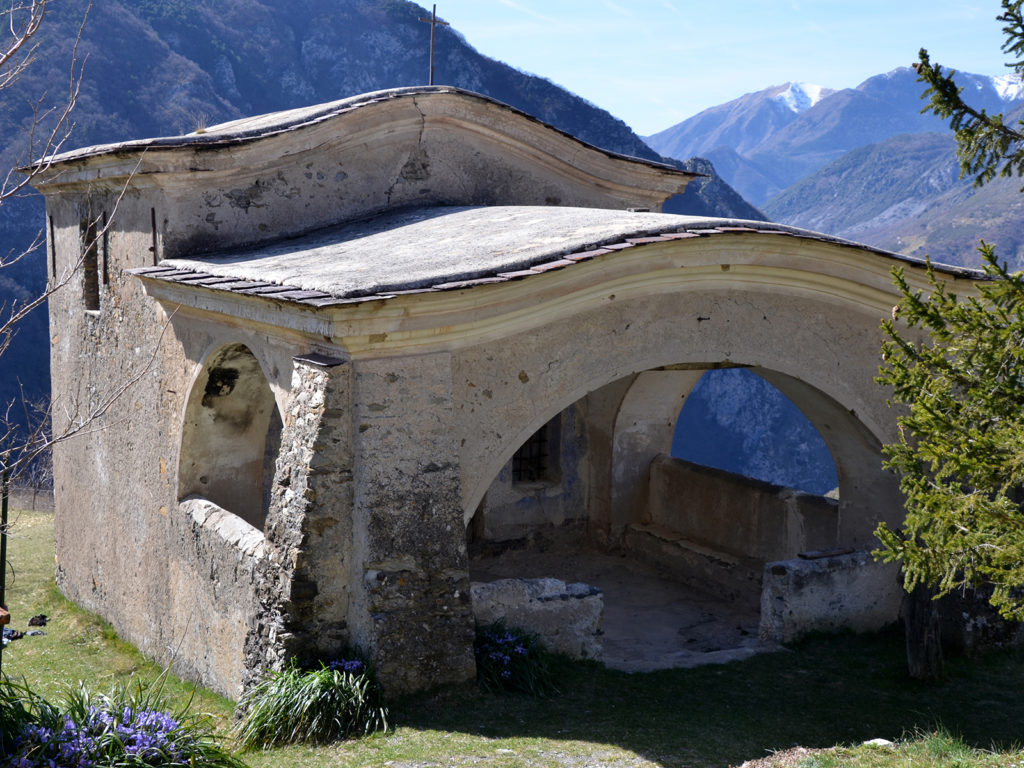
<point x="851" y="591"/>
<point x="737" y="515"/>
<point x="26" y="498"/>
<point x="715" y="530"/>
<point x="566" y="617"/>
<point x="213" y="546"/>
<point x="732" y="579"/>
<point x="970" y="625"/>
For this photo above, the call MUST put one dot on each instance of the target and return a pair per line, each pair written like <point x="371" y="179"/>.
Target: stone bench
<point x="566" y="617"/>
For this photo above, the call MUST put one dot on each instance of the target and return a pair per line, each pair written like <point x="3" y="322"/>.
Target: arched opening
<point x="737" y="421"/>
<point x="679" y="552"/>
<point x="231" y="436"/>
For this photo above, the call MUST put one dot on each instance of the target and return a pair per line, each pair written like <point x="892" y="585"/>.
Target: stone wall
<point x="173" y="575"/>
<point x="304" y="588"/>
<point x="970" y="625"/>
<point x="210" y="625"/>
<point x="827" y="594"/>
<point x="737" y="515"/>
<point x="412" y="608"/>
<point x="715" y="530"/>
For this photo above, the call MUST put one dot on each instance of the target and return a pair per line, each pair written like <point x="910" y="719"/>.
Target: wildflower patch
<point x="511" y="660"/>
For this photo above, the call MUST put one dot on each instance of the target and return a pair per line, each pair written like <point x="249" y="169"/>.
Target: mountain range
<point x="863" y="163"/>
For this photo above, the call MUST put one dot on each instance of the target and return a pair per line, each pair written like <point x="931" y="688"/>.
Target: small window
<point x="90" y="264"/>
<point x="106" y="250"/>
<point x="53" y="252"/>
<point x="536" y="461"/>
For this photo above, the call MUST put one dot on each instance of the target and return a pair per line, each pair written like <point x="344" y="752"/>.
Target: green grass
<point x="77" y="645"/>
<point x="838" y="690"/>
<point x="312" y="706"/>
<point x="932" y="750"/>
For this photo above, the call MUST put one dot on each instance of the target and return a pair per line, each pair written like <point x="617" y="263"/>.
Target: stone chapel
<point x="352" y="342"/>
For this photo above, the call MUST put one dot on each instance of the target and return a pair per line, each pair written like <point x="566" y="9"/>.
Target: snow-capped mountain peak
<point x="800" y="96"/>
<point x="1009" y="87"/>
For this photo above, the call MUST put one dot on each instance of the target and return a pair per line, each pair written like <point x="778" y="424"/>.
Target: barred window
<point x="536" y="461"/>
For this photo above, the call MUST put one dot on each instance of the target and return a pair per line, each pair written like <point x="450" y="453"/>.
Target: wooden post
<point x="922" y="633"/>
<point x="433" y="22"/>
<point x="5" y="485"/>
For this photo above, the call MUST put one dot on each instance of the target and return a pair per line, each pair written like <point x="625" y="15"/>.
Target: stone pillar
<point x="644" y="428"/>
<point x="411" y="607"/>
<point x="303" y="590"/>
<point x="868" y="494"/>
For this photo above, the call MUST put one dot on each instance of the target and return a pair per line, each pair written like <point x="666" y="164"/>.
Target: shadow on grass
<point x="829" y="690"/>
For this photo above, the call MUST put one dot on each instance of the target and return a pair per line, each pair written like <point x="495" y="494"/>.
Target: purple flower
<point x="146" y="735"/>
<point x="354" y="666"/>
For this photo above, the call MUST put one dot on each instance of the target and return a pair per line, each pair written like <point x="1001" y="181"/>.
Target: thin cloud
<point x="528" y="11"/>
<point x="618" y="9"/>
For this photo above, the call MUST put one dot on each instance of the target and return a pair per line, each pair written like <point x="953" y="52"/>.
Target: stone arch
<point x="231" y="435"/>
<point x="819" y="350"/>
<point x="646" y="419"/>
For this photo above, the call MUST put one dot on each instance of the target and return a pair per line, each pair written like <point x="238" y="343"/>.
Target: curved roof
<point x="248" y="129"/>
<point x="444" y="248"/>
<point x="257" y="179"/>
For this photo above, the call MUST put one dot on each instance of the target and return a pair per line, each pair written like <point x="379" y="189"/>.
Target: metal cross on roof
<point x="433" y="21"/>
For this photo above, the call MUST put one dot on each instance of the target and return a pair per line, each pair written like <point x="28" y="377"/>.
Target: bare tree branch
<point x="39" y="149"/>
<point x="26" y="429"/>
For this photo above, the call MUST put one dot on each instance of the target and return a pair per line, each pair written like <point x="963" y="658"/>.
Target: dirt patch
<point x="650" y="622"/>
<point x="791" y="758"/>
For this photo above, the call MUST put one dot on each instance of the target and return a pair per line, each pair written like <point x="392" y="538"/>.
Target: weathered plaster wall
<point x="602" y="408"/>
<point x="210" y="575"/>
<point x="826" y="353"/>
<point x="566" y="617"/>
<point x="115" y="482"/>
<point x="520" y="509"/>
<point x="175" y="580"/>
<point x="226" y="434"/>
<point x="845" y="592"/>
<point x="226" y="188"/>
<point x="644" y="427"/>
<point x="737" y="515"/>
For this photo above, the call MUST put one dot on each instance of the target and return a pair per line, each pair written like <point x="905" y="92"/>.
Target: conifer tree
<point x="957" y="368"/>
<point x="986" y="146"/>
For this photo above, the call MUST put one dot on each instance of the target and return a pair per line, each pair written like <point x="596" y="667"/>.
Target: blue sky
<point x="654" y="63"/>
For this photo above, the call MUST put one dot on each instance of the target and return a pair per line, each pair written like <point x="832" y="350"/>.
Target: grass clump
<point x="933" y="749"/>
<point x="312" y="705"/>
<point x="512" y="660"/>
<point x="133" y="726"/>
<point x="20" y="709"/>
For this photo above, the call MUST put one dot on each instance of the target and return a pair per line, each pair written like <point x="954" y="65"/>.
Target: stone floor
<point x="649" y="622"/>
